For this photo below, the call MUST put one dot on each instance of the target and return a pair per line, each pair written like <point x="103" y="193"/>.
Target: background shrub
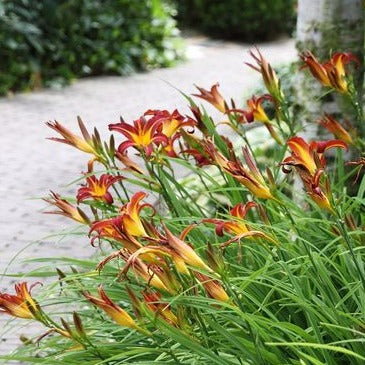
<point x="52" y="41"/>
<point x="240" y="19"/>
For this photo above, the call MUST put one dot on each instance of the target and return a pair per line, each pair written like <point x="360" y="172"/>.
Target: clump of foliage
<point x="51" y="42"/>
<point x="247" y="20"/>
<point x="231" y="265"/>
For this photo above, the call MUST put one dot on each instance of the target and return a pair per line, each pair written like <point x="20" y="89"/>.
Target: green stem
<point x="345" y="235"/>
<point x="359" y="112"/>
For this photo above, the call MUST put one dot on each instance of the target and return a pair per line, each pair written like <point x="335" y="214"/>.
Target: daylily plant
<point x="202" y="258"/>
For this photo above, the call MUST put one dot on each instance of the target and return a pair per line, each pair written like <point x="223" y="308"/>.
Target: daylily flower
<point x="171" y="122"/>
<point x="126" y="225"/>
<point x="213" y="287"/>
<point x="156" y="256"/>
<point x="331" y="73"/>
<point x="255" y="109"/>
<point x="151" y="274"/>
<point x="154" y="303"/>
<point x="113" y="228"/>
<point x="269" y="76"/>
<point x="185" y="251"/>
<point x="332" y="125"/>
<point x="314" y="190"/>
<point x="213" y="97"/>
<point x="98" y="188"/>
<point x="168" y="147"/>
<point x="251" y="177"/>
<point x="88" y="144"/>
<point x="130" y="213"/>
<point x="256" y="112"/>
<point x="141" y="135"/>
<point x="317" y="69"/>
<point x="21" y="304"/>
<point x="118" y="314"/>
<point x="66" y="209"/>
<point x="236" y="227"/>
<point x="309" y="157"/>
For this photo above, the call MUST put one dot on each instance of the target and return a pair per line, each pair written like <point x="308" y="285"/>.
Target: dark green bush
<point x="246" y="20"/>
<point x="53" y="41"/>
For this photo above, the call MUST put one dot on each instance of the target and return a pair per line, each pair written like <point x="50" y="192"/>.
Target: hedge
<point x="49" y="42"/>
<point x="247" y="20"/>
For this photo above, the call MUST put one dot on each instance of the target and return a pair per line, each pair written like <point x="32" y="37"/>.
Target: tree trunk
<point x="325" y="27"/>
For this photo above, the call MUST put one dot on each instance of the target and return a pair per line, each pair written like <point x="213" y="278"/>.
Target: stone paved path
<point x="31" y="165"/>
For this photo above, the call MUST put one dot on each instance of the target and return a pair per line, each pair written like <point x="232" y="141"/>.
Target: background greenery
<point x="246" y="20"/>
<point x="51" y="41"/>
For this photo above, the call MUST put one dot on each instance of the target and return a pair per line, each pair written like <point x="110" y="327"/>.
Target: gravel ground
<point x="32" y="165"/>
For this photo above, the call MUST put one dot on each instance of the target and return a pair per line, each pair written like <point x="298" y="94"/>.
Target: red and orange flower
<point x="141" y="135"/>
<point x="98" y="188"/>
<point x="126" y="226"/>
<point x="236" y="226"/>
<point x="22" y="304"/>
<point x="331" y="73"/>
<point x="213" y="97"/>
<point x="183" y="250"/>
<point x="152" y="274"/>
<point x="333" y="126"/>
<point x="315" y="191"/>
<point x="256" y="112"/>
<point x="309" y="161"/>
<point x="309" y="157"/>
<point x="130" y="214"/>
<point x="113" y="228"/>
<point x="170" y="122"/>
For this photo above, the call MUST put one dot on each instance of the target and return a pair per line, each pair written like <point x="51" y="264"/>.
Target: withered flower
<point x="118" y="314"/>
<point x="250" y="177"/>
<point x="269" y="76"/>
<point x="213" y="287"/>
<point x="185" y="251"/>
<point x="86" y="143"/>
<point x="154" y="303"/>
<point x="66" y="209"/>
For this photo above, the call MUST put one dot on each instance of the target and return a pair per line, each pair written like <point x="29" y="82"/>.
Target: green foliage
<point x="51" y="42"/>
<point x="247" y="20"/>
